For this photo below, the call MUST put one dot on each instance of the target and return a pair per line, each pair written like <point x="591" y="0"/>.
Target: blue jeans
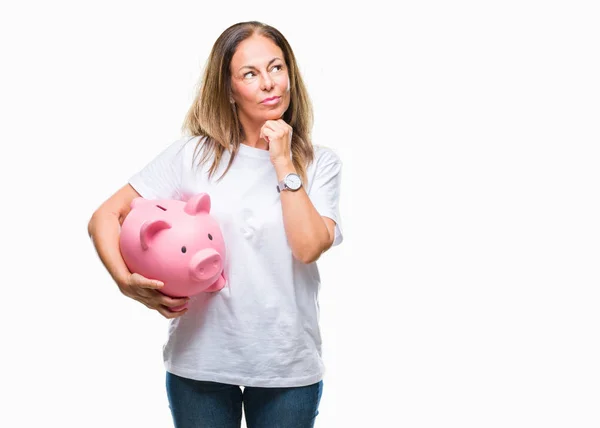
<point x="218" y="405"/>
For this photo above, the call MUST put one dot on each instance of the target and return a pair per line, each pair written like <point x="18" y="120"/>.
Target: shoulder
<point x="184" y="147"/>
<point x="325" y="155"/>
<point x="326" y="162"/>
<point x="177" y="146"/>
<point x="189" y="142"/>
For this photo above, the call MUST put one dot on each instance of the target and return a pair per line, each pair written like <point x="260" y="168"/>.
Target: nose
<point x="267" y="82"/>
<point x="206" y="265"/>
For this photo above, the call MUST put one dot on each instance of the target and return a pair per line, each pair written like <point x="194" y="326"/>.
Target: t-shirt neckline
<point x="246" y="150"/>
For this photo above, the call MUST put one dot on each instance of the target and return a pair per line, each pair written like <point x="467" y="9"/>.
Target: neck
<point x="252" y="134"/>
<point x="253" y="140"/>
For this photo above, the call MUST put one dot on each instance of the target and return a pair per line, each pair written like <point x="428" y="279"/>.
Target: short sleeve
<point x="324" y="190"/>
<point x="161" y="177"/>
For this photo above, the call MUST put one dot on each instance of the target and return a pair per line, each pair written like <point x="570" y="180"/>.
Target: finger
<point x="284" y="126"/>
<point x="264" y="137"/>
<point x="141" y="281"/>
<point x="266" y="134"/>
<point x="262" y="129"/>
<point x="151" y="283"/>
<point x="277" y="129"/>
<point x="273" y="124"/>
<point x="172" y="301"/>
<point x="170" y="314"/>
<point x="270" y="125"/>
<point x="280" y="125"/>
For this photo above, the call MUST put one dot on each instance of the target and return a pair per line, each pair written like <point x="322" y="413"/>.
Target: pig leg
<point x="219" y="284"/>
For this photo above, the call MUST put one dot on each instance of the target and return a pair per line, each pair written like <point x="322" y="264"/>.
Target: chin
<point x="275" y="114"/>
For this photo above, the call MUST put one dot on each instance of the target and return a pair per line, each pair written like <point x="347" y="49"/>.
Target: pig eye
<point x="183" y="249"/>
<point x="210" y="236"/>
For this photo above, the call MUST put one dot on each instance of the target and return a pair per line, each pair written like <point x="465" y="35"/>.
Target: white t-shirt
<point x="262" y="328"/>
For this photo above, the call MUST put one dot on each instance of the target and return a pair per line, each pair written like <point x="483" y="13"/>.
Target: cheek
<point x="243" y="92"/>
<point x="286" y="84"/>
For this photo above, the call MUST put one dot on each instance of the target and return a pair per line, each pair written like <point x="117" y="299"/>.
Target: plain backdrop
<point x="466" y="292"/>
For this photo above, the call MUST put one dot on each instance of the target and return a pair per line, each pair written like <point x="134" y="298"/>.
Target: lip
<point x="270" y="101"/>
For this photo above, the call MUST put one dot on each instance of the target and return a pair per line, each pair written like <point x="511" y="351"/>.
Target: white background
<point x="466" y="291"/>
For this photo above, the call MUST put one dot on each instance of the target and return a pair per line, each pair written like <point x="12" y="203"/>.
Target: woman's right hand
<point x="145" y="291"/>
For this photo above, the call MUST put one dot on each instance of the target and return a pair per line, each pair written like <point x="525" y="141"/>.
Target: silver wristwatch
<point x="291" y="182"/>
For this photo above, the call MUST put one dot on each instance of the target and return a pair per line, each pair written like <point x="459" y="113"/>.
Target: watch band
<point x="281" y="186"/>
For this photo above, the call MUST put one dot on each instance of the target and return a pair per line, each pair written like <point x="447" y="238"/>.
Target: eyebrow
<point x="254" y="68"/>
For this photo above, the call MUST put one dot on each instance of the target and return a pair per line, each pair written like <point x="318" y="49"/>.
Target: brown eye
<point x="210" y="236"/>
<point x="183" y="249"/>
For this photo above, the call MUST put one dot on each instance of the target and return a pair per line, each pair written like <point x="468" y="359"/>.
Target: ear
<point x="199" y="203"/>
<point x="149" y="230"/>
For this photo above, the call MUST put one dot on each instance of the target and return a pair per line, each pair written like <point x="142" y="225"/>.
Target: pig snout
<point x="206" y="265"/>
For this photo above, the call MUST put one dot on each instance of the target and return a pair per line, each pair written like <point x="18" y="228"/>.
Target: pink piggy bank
<point x="176" y="242"/>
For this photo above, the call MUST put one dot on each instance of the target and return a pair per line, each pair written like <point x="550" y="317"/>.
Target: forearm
<point x="305" y="229"/>
<point x="104" y="230"/>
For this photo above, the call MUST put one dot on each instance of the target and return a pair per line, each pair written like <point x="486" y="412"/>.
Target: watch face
<point x="293" y="181"/>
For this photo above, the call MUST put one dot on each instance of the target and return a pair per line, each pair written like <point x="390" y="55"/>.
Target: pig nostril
<point x="215" y="264"/>
<point x="201" y="271"/>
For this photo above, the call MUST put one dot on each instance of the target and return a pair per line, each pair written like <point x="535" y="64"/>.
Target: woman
<point x="276" y="197"/>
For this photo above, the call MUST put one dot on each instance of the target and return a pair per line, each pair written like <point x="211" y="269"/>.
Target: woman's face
<point x="259" y="72"/>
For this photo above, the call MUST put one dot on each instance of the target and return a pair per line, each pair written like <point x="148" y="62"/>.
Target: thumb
<point x="146" y="282"/>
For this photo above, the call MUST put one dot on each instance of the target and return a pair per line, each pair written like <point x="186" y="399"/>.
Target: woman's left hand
<point x="278" y="134"/>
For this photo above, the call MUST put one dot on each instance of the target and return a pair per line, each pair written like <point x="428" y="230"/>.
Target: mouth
<point x="270" y="100"/>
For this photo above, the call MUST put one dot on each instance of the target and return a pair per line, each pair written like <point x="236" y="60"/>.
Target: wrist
<point x="283" y="167"/>
<point x="122" y="281"/>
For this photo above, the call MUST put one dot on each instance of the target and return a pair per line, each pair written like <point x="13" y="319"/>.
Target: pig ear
<point x="197" y="204"/>
<point x="149" y="230"/>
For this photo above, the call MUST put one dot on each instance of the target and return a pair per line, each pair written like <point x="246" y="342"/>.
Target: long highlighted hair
<point x="214" y="118"/>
